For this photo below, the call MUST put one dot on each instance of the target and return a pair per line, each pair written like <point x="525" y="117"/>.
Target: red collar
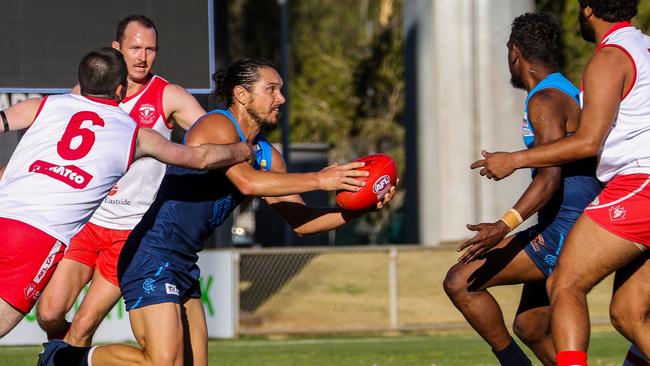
<point x="102" y="100"/>
<point x="613" y="29"/>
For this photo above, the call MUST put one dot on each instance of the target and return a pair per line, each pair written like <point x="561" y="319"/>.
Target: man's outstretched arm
<point x="605" y="82"/>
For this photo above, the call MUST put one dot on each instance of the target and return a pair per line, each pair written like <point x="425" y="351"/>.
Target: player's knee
<point x="628" y="320"/>
<point x="455" y="282"/>
<point x="167" y="357"/>
<point x="49" y="312"/>
<point x="558" y="285"/>
<point x="530" y="331"/>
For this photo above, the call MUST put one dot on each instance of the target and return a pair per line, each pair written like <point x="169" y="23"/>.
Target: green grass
<point x="464" y="348"/>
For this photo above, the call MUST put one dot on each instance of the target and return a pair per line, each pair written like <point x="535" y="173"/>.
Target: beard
<point x="516" y="82"/>
<point x="266" y="125"/>
<point x="586" y="30"/>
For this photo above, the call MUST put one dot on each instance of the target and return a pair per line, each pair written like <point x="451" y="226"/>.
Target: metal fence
<point x="320" y="290"/>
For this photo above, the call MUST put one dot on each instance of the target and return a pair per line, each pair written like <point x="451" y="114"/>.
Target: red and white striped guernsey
<point x="131" y="197"/>
<point x="65" y="164"/>
<point x="625" y="150"/>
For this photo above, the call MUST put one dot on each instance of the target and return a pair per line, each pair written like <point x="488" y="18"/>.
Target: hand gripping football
<point x="383" y="174"/>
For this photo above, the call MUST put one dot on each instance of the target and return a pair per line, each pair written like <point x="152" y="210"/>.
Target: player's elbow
<point x="589" y="146"/>
<point x="247" y="187"/>
<point x="302" y="231"/>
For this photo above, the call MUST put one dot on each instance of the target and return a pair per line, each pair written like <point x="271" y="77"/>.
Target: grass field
<point x="453" y="349"/>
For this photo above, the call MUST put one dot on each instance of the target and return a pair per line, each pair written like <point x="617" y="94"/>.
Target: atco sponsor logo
<point x="381" y="185"/>
<point x="113" y="190"/>
<point x="617" y="212"/>
<point x="71" y="175"/>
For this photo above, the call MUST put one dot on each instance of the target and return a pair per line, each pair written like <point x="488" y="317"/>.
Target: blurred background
<point x="424" y="81"/>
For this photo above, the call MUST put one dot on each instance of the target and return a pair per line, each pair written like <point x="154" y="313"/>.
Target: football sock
<point x="512" y="355"/>
<point x="72" y="356"/>
<point x="572" y="358"/>
<point x="634" y="357"/>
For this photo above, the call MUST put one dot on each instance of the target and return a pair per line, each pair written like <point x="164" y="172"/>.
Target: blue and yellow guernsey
<point x="579" y="185"/>
<point x="189" y="206"/>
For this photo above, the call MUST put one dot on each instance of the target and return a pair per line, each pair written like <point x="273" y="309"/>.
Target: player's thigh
<point x="159" y="330"/>
<point x="9" y="317"/>
<point x="100" y="298"/>
<point x="631" y="295"/>
<point x="590" y="253"/>
<point x="506" y="263"/>
<point x="196" y="332"/>
<point x="68" y="280"/>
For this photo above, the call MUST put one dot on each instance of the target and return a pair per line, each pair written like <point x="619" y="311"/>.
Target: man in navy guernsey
<point x="557" y="194"/>
<point x="159" y="278"/>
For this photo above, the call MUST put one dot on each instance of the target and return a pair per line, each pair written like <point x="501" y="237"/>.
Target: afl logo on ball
<point x="381" y="184"/>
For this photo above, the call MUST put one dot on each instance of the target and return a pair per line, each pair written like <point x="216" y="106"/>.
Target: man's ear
<point x="588" y="12"/>
<point x="240" y="94"/>
<point x="120" y="93"/>
<point x="116" y="45"/>
<point x="515" y="52"/>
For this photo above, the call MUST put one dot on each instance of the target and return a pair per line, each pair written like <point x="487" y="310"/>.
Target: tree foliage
<point x="346" y="84"/>
<point x="576" y="50"/>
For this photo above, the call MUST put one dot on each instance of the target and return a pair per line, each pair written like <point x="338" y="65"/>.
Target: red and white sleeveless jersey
<point x="626" y="148"/>
<point x="65" y="164"/>
<point x="131" y="197"/>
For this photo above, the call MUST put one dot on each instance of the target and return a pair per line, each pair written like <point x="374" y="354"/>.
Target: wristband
<point x="512" y="218"/>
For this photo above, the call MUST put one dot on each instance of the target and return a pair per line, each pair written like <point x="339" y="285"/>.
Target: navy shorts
<point x="544" y="245"/>
<point x="149" y="280"/>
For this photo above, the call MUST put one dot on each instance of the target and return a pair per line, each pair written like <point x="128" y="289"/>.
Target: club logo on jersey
<point x="147" y="114"/>
<point x="171" y="289"/>
<point x="381" y="186"/>
<point x="617" y="213"/>
<point x="71" y="175"/>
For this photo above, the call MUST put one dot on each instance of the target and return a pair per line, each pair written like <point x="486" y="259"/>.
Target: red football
<point x="383" y="174"/>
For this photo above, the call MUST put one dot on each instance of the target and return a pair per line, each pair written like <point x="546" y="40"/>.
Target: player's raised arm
<point x="21" y="115"/>
<point x="206" y="156"/>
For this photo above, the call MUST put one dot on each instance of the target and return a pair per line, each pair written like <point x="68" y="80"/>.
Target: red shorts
<point x="622" y="207"/>
<point x="99" y="248"/>
<point x="28" y="258"/>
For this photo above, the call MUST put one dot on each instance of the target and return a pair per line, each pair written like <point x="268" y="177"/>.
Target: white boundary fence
<point x="320" y="290"/>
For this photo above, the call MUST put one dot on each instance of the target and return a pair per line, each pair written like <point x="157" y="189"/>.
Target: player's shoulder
<point x="213" y="128"/>
<point x="548" y="97"/>
<point x="174" y="90"/>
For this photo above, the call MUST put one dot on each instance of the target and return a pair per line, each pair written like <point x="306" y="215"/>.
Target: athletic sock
<point x="634" y="357"/>
<point x="72" y="356"/>
<point x="512" y="355"/>
<point x="572" y="358"/>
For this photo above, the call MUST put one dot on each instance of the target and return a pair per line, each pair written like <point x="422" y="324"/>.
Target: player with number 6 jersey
<point x="155" y="104"/>
<point x="76" y="148"/>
